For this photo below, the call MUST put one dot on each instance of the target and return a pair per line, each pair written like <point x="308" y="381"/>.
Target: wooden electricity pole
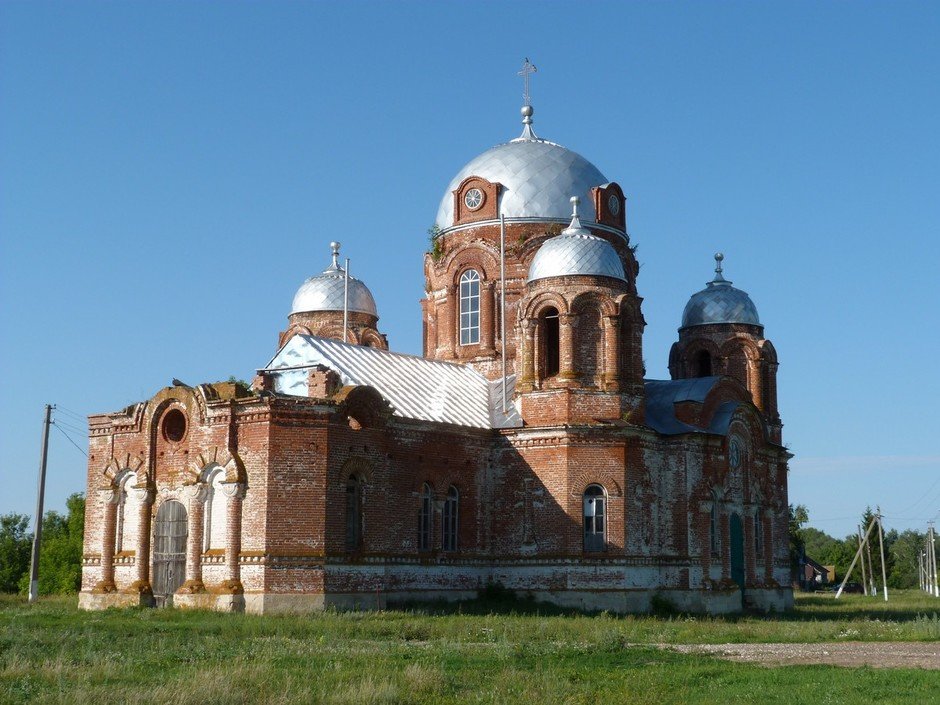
<point x="881" y="542"/>
<point x="37" y="533"/>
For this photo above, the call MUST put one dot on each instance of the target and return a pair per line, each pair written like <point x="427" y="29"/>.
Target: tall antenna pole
<point x="346" y="302"/>
<point x="37" y="532"/>
<point x="502" y="297"/>
<point x="881" y="542"/>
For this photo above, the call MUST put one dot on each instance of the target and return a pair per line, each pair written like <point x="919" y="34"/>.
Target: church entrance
<point x="737" y="551"/>
<point x="169" y="552"/>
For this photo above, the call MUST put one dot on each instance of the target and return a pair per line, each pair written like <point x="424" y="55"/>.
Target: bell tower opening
<point x="703" y="364"/>
<point x="551" y="345"/>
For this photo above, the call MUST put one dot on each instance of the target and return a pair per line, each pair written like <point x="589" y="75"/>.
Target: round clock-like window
<point x="613" y="204"/>
<point x="473" y="199"/>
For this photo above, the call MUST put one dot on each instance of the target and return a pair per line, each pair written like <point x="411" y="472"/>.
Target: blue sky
<point x="171" y="172"/>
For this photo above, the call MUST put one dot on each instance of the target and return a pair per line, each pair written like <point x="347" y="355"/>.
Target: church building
<point x="525" y="447"/>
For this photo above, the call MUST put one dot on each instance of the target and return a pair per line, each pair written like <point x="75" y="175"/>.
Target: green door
<point x="737" y="551"/>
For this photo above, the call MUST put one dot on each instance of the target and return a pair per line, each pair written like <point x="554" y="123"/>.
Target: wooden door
<point x="169" y="552"/>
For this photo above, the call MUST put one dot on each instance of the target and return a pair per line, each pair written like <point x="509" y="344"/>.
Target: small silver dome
<point x="324" y="292"/>
<point x="576" y="251"/>
<point x="537" y="176"/>
<point x="719" y="302"/>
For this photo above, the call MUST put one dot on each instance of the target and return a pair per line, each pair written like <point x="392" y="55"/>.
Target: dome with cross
<point x="719" y="302"/>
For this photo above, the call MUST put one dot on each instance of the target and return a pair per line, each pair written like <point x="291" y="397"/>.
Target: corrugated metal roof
<point x="416" y="388"/>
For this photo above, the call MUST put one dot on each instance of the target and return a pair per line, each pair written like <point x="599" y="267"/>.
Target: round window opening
<point x="174" y="425"/>
<point x="473" y="199"/>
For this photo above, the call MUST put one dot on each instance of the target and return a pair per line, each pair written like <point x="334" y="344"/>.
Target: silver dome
<point x="324" y="292"/>
<point x="576" y="251"/>
<point x="719" y="302"/>
<point x="537" y="176"/>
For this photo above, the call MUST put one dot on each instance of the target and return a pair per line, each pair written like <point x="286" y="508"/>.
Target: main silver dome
<point x="719" y="302"/>
<point x="538" y="177"/>
<point x="576" y="251"/>
<point x="324" y="292"/>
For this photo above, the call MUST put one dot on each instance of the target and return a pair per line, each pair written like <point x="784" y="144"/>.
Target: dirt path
<point x="898" y="654"/>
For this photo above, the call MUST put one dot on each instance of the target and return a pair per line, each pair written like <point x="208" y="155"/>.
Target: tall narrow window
<point x="550" y="345"/>
<point x="449" y="537"/>
<point x="758" y="535"/>
<point x="595" y="519"/>
<point x="353" y="513"/>
<point x="470" y="307"/>
<point x="128" y="510"/>
<point x="703" y="364"/>
<point x="215" y="515"/>
<point x="424" y="518"/>
<point x="713" y="528"/>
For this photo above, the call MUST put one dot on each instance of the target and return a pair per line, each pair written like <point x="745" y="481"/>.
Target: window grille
<point x="595" y="519"/>
<point x="470" y="307"/>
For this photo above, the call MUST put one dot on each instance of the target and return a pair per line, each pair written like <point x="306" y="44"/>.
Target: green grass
<point x="487" y="652"/>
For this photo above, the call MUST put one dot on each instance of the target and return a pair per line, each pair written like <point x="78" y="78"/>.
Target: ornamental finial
<point x="574" y="206"/>
<point x="719" y="278"/>
<point x="335" y="247"/>
<point x="527" y="110"/>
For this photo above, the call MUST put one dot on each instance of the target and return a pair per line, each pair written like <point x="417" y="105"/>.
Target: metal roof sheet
<point x="663" y="395"/>
<point x="416" y="388"/>
<point x="538" y="178"/>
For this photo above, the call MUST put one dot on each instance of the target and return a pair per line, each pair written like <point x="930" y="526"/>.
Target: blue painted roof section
<point x="663" y="395"/>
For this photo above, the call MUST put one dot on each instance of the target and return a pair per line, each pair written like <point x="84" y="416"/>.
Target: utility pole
<point x="870" y="589"/>
<point x="37" y="532"/>
<point x="932" y="557"/>
<point x="858" y="555"/>
<point x="864" y="573"/>
<point x="881" y="542"/>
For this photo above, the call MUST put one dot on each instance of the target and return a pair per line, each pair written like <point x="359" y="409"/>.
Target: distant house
<point x="812" y="574"/>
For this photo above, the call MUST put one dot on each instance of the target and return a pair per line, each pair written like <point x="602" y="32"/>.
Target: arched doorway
<point x="737" y="550"/>
<point x="169" y="552"/>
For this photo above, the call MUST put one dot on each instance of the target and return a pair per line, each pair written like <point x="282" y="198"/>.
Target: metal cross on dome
<point x="527" y="68"/>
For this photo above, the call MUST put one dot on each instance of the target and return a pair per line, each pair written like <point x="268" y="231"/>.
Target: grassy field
<point x="495" y="651"/>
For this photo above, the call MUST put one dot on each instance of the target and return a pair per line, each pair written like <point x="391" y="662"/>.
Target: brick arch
<point x="540" y="301"/>
<point x="692" y="350"/>
<point x="357" y="466"/>
<point x="373" y="339"/>
<point x="606" y="305"/>
<point x="475" y="255"/>
<point x="768" y="352"/>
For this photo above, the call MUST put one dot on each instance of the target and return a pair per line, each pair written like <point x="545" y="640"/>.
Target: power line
<point x="69" y="426"/>
<point x="74" y="414"/>
<point x="69" y="438"/>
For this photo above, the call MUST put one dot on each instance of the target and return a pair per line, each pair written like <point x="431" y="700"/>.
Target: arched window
<point x="425" y="517"/>
<point x="353" y="513"/>
<point x="595" y="519"/>
<point x="713" y="527"/>
<point x="128" y="510"/>
<point x="449" y="534"/>
<point x="703" y="364"/>
<point x="550" y="342"/>
<point x="215" y="517"/>
<point x="470" y="307"/>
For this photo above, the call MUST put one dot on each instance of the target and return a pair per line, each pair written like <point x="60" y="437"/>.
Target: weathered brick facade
<point x="597" y="489"/>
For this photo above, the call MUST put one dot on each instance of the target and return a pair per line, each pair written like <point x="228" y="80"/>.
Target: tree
<point x="798" y="517"/>
<point x="905" y="550"/>
<point x="60" y="555"/>
<point x="15" y="547"/>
